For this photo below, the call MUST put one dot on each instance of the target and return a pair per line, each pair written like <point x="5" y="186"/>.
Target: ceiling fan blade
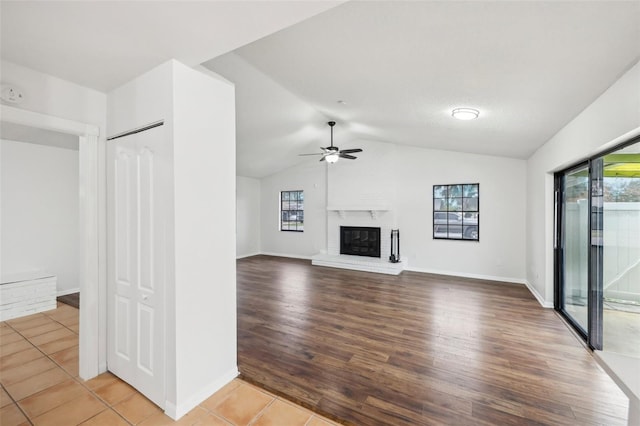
<point x="317" y="153"/>
<point x="350" y="151"/>
<point x="350" y="157"/>
<point x="323" y="157"/>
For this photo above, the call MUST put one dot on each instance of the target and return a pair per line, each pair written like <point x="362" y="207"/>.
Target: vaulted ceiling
<point x="103" y="44"/>
<point x="399" y="67"/>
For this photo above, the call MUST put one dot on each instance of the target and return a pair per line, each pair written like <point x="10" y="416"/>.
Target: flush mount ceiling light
<point x="465" y="113"/>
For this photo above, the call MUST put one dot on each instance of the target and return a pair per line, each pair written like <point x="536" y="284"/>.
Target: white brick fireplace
<point x="361" y="193"/>
<point x="370" y="218"/>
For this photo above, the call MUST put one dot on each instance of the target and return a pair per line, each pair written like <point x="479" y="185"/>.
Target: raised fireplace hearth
<point x="360" y="241"/>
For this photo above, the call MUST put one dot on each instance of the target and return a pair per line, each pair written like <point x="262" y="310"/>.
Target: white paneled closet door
<point x="137" y="172"/>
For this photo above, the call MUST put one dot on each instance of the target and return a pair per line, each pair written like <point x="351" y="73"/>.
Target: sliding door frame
<point x="559" y="241"/>
<point x="595" y="314"/>
<point x="593" y="336"/>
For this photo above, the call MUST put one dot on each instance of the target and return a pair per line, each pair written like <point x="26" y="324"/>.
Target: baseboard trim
<point x="537" y="295"/>
<point x="242" y="256"/>
<point x="506" y="280"/>
<point x="177" y="411"/>
<point x="68" y="291"/>
<point x="292" y="256"/>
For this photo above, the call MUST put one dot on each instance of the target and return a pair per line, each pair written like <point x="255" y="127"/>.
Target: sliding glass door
<point x="597" y="262"/>
<point x="621" y="252"/>
<point x="573" y="244"/>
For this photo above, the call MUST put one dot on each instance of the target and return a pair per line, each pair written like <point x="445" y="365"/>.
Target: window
<point x="292" y="211"/>
<point x="456" y="212"/>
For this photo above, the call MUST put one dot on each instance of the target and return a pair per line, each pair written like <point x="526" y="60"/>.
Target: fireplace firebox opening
<point x="360" y="241"/>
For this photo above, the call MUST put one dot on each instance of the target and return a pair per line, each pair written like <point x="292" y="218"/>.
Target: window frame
<point x="460" y="205"/>
<point x="299" y="212"/>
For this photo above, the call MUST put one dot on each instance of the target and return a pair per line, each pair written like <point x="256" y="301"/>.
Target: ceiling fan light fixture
<point x="332" y="158"/>
<point x="465" y="113"/>
<point x="332" y="154"/>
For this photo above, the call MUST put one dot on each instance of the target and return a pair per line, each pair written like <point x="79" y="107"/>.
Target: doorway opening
<point x="91" y="269"/>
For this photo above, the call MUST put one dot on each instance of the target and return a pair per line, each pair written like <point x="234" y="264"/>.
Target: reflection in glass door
<point x="573" y="246"/>
<point x="621" y="260"/>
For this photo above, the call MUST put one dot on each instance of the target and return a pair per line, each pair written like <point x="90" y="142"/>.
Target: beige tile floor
<point x="40" y="386"/>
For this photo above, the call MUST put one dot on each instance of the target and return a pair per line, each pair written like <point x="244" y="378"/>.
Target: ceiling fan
<point x="332" y="153"/>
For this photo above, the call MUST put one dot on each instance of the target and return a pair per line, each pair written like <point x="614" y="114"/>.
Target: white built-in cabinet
<point x="171" y="294"/>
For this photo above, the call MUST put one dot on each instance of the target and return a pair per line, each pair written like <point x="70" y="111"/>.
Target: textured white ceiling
<point x="273" y="125"/>
<point x="529" y="67"/>
<point x="105" y="44"/>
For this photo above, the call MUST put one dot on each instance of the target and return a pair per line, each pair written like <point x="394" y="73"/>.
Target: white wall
<point x="612" y="115"/>
<point x="53" y="96"/>
<point x="39" y="211"/>
<point x="247" y="216"/>
<point x="500" y="253"/>
<point x="205" y="193"/>
<point x="311" y="177"/>
<point x="366" y="183"/>
<point x="401" y="179"/>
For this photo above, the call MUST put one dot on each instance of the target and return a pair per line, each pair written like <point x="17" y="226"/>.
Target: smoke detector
<point x="11" y="94"/>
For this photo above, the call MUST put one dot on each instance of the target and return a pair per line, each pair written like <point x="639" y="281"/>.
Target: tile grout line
<point x="220" y="403"/>
<point x="42" y="352"/>
<point x="92" y="391"/>
<point x="76" y="379"/>
<point x="17" y="405"/>
<point x="110" y="407"/>
<point x="261" y="412"/>
<point x="253" y="419"/>
<point x="220" y="416"/>
<point x="294" y="401"/>
<point x="46" y="356"/>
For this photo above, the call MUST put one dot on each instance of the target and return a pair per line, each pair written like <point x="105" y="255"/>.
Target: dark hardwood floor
<point x="72" y="299"/>
<point x="417" y="349"/>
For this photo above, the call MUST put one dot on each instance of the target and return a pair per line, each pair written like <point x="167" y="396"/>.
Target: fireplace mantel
<point x="373" y="210"/>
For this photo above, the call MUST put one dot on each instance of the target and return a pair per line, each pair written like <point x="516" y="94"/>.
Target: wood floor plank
<point x="415" y="349"/>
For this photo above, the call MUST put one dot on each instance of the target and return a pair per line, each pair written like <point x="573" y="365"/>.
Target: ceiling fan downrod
<point x="331" y="124"/>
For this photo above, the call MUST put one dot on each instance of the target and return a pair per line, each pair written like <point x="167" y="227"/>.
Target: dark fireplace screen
<point x="360" y="241"/>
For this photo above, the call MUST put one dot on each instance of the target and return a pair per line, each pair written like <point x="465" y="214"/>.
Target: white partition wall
<point x="248" y="239"/>
<point x="189" y="197"/>
<point x="205" y="241"/>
